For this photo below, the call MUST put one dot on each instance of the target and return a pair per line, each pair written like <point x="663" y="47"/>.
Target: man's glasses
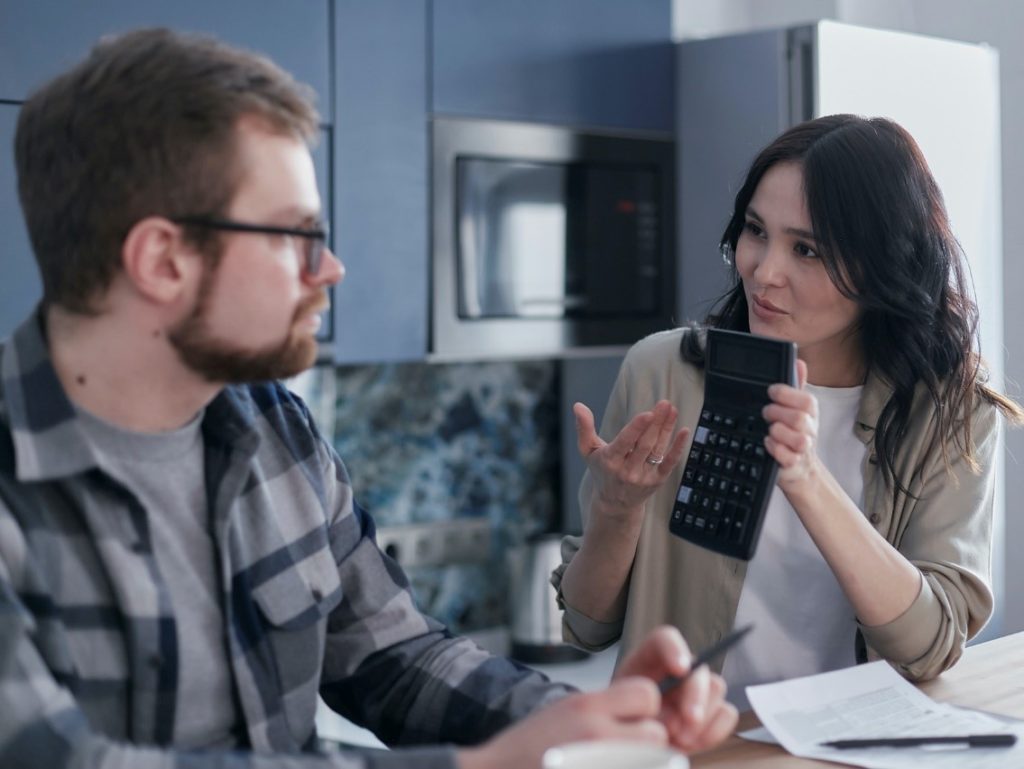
<point x="315" y="237"/>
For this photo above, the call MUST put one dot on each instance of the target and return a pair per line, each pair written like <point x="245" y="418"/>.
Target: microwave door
<point x="512" y="239"/>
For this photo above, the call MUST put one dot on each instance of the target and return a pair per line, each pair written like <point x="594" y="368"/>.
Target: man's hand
<point x="695" y="714"/>
<point x="626" y="710"/>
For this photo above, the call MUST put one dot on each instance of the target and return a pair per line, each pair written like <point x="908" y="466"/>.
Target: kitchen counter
<point x="588" y="675"/>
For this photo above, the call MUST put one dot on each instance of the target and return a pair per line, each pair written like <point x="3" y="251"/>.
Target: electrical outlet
<point x="465" y="540"/>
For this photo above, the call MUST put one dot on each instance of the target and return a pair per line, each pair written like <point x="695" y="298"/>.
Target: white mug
<point x="613" y="754"/>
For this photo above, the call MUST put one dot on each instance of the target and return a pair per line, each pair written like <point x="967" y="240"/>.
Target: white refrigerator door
<point x="946" y="94"/>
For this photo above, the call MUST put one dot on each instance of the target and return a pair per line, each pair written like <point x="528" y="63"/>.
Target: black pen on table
<point x="668" y="683"/>
<point x="966" y="740"/>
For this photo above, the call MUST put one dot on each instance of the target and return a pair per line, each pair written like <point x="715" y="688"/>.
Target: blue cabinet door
<point x="40" y="38"/>
<point x="20" y="288"/>
<point x="577" y="62"/>
<point x="380" y="179"/>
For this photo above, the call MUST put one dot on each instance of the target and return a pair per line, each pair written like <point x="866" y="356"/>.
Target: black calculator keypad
<point x="723" y="480"/>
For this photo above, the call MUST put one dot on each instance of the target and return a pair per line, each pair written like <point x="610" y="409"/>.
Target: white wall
<point x="998" y="23"/>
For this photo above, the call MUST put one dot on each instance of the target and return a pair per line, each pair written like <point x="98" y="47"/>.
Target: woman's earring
<point x="728" y="255"/>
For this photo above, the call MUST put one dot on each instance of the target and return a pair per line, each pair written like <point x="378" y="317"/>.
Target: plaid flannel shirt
<point x="88" y="641"/>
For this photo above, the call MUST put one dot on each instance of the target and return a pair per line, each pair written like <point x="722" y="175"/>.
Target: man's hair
<point x="144" y="126"/>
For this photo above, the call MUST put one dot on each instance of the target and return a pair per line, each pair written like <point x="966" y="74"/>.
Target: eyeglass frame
<point x="317" y="237"/>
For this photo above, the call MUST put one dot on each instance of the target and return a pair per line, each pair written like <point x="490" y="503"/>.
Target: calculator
<point x="729" y="475"/>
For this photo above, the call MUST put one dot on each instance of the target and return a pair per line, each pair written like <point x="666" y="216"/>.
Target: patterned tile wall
<point x="436" y="442"/>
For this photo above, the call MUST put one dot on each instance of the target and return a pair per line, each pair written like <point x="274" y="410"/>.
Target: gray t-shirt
<point x="165" y="472"/>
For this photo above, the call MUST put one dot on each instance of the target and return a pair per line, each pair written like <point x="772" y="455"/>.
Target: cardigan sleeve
<point x="948" y="537"/>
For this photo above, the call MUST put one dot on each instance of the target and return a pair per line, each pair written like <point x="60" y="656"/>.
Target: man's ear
<point x="156" y="261"/>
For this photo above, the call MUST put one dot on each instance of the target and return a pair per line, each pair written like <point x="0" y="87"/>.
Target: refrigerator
<point x="736" y="93"/>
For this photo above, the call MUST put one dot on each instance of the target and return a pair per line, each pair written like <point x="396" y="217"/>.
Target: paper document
<point x="871" y="701"/>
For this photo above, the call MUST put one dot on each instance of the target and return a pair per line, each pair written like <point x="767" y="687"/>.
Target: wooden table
<point x="990" y="676"/>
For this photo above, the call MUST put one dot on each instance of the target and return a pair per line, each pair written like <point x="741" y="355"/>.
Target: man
<point x="182" y="565"/>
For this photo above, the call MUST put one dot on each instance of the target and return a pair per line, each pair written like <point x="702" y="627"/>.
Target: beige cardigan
<point x="946" y="532"/>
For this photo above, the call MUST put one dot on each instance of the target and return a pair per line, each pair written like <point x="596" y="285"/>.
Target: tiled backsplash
<point x="432" y="442"/>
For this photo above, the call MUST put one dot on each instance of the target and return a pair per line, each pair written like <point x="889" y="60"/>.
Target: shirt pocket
<point x="295" y="605"/>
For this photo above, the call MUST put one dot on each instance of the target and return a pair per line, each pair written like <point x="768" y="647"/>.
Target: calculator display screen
<point x="748" y="361"/>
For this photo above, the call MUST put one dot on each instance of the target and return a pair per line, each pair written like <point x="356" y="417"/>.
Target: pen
<point x="967" y="740"/>
<point x="670" y="682"/>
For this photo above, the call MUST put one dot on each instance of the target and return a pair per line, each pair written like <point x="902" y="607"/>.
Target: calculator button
<point x="705" y="503"/>
<point x="717" y="506"/>
<point x="716" y="419"/>
<point x="734" y="445"/>
<point x="759" y="452"/>
<point x="729" y="422"/>
<point x="705" y="415"/>
<point x="723" y="485"/>
<point x="688" y="519"/>
<point x="694" y="455"/>
<point x="700" y="479"/>
<point x="705" y="457"/>
<point x="712" y="438"/>
<point x="698" y="523"/>
<point x="736" y="532"/>
<point x="677" y="514"/>
<point x="755" y="472"/>
<point x="742" y="468"/>
<point x="712" y="527"/>
<point x="712" y="482"/>
<point x="735" y="489"/>
<point x="688" y="474"/>
<point x="684" y="494"/>
<point x="729" y="465"/>
<point x="718" y="461"/>
<point x="701" y="435"/>
<point x="748" y="447"/>
<point x="747" y="494"/>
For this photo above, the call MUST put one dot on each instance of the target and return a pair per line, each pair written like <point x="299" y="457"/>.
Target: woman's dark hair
<point x="886" y="243"/>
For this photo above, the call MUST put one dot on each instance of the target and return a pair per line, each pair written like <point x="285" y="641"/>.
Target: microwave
<point x="547" y="240"/>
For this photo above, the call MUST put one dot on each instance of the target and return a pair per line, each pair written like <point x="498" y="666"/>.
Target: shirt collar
<point x="49" y="440"/>
<point x="877" y="393"/>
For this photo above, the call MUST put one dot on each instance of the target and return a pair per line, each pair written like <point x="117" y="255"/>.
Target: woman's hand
<point x="792" y="418"/>
<point x="637" y="461"/>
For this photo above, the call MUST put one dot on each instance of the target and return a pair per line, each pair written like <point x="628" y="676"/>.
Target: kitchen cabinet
<point x="41" y="38"/>
<point x="20" y="288"/>
<point x="380" y="179"/>
<point x="601" y="63"/>
<point x="380" y="70"/>
<point x="589" y="381"/>
<point x="295" y="34"/>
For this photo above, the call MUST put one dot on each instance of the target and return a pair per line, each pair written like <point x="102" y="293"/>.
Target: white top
<point x="803" y="622"/>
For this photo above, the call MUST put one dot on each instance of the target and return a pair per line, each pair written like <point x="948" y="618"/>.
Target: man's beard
<point x="220" y="362"/>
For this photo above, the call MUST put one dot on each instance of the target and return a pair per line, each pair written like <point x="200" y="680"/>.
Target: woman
<point x="877" y="539"/>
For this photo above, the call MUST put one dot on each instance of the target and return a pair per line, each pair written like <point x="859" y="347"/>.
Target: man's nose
<point x="331" y="271"/>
